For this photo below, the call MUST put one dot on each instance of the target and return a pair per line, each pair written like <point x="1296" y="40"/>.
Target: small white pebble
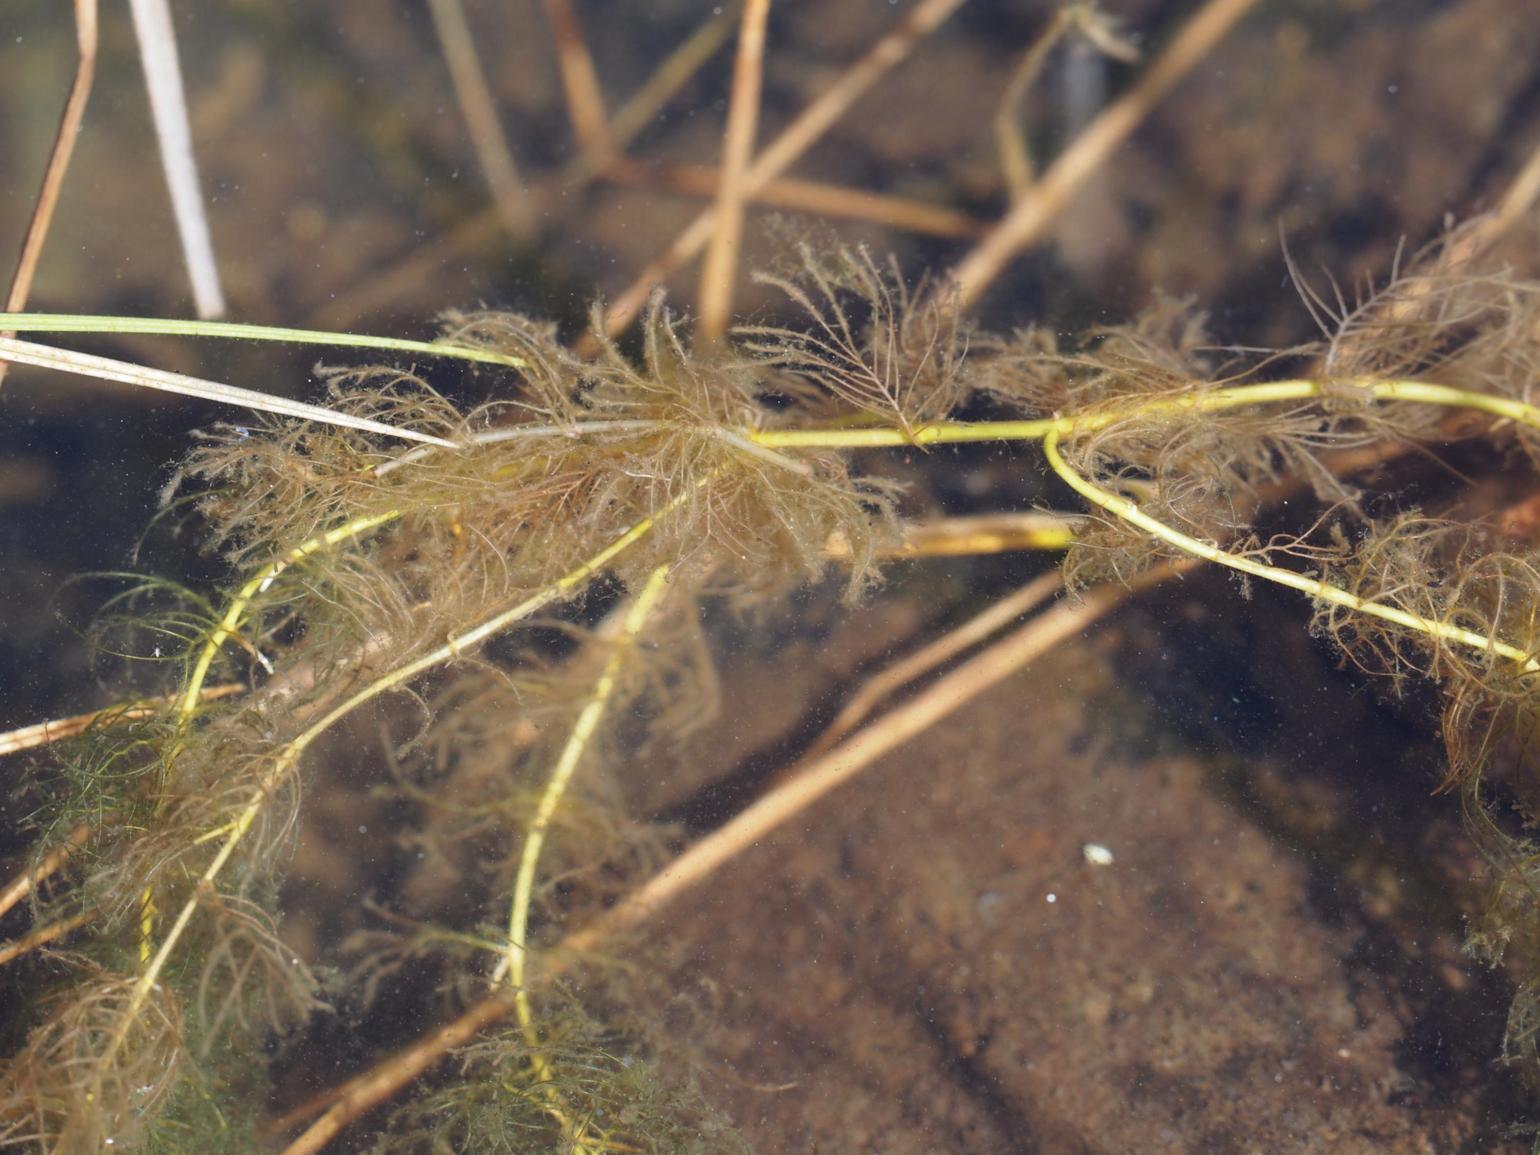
<point x="1096" y="854"/>
<point x="1052" y="897"/>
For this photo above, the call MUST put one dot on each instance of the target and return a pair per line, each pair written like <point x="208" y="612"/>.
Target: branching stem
<point x="286" y="759"/>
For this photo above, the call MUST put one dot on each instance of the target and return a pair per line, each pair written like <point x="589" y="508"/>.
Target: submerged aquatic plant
<point x="373" y="569"/>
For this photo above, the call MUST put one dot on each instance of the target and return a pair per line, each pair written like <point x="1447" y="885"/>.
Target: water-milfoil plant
<point x="375" y="566"/>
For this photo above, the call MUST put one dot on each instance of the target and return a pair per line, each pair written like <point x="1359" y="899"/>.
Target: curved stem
<point x="517" y="952"/>
<point x="1315" y="588"/>
<point x="230" y="624"/>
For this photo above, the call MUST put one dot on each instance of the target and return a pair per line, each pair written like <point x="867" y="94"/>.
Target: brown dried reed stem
<point x="977" y="534"/>
<point x="474" y="96"/>
<point x="43" y="935"/>
<point x="806" y="784"/>
<point x="803" y="786"/>
<point x="800" y="135"/>
<point x="50" y="865"/>
<point x="886" y="685"/>
<point x="714" y="302"/>
<point x="1516" y="203"/>
<point x="719" y="268"/>
<point x="806" y="196"/>
<point x="1010" y="141"/>
<point x="677" y="69"/>
<point x="1030" y="218"/>
<point x="64" y="140"/>
<point x="1465" y="246"/>
<point x="551" y="198"/>
<point x="57" y="729"/>
<point x="579" y="77"/>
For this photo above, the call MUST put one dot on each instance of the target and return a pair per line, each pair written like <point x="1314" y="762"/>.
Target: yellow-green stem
<point x="1211" y="401"/>
<point x="290" y="754"/>
<point x="229" y="625"/>
<point x="516" y="956"/>
<point x="1315" y="588"/>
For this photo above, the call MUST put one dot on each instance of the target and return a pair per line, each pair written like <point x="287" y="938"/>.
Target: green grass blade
<point x="177" y="327"/>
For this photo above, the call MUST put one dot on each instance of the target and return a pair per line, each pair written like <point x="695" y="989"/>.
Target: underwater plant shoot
<point x="1032" y="643"/>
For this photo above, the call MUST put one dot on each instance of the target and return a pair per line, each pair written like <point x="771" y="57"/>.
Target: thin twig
<point x="57" y="729"/>
<point x="360" y="1095"/>
<point x="579" y="78"/>
<point x="64" y="140"/>
<point x="1010" y="143"/>
<point x="43" y="935"/>
<point x="509" y="196"/>
<point x="885" y="685"/>
<point x="978" y="534"/>
<point x="551" y="198"/>
<point x="1517" y="202"/>
<point x="1465" y="247"/>
<point x="807" y="196"/>
<point x="714" y="301"/>
<point x="800" y="135"/>
<point x="1031" y="217"/>
<point x="168" y="106"/>
<point x="44" y="870"/>
<point x="678" y="69"/>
